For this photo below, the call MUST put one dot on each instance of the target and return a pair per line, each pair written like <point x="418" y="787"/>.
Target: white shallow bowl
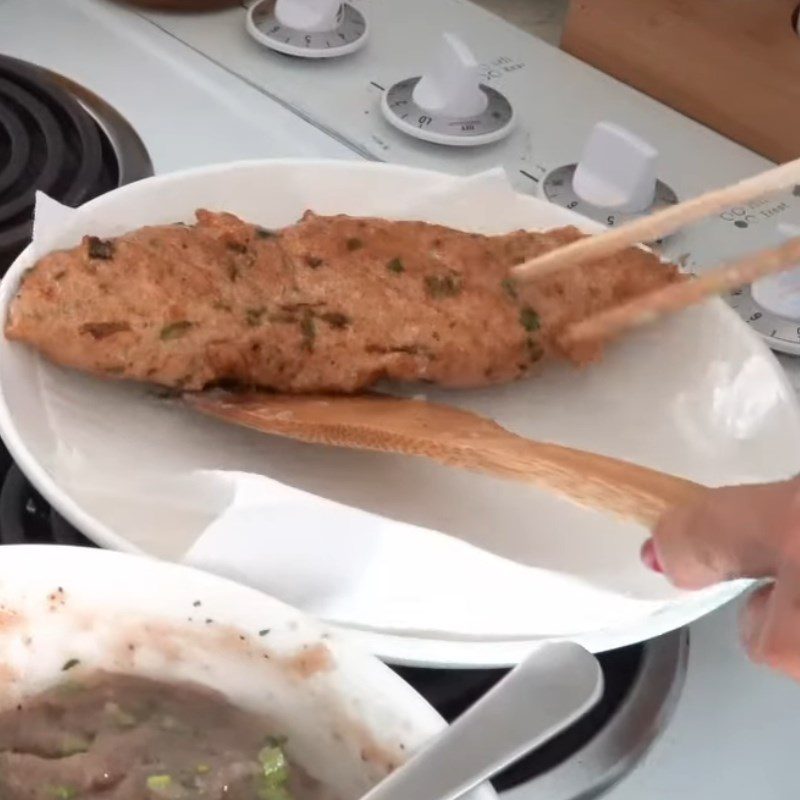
<point x="425" y="564"/>
<point x="345" y="714"/>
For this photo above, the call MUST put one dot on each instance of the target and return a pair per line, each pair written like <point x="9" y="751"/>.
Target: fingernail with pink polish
<point x="650" y="557"/>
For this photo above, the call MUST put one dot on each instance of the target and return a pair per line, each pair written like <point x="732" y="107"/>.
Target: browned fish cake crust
<point x="330" y="304"/>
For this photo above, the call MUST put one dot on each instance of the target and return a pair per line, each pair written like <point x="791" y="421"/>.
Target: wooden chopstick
<point x="662" y="223"/>
<point x="677" y="296"/>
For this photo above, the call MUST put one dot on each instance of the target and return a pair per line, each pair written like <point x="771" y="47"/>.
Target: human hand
<point x="742" y="532"/>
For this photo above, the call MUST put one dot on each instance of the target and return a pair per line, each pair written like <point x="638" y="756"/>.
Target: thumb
<point x="771" y="619"/>
<point x="733" y="532"/>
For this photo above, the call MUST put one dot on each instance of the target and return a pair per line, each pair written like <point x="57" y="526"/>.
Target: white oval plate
<point x="346" y="716"/>
<point x="424" y="564"/>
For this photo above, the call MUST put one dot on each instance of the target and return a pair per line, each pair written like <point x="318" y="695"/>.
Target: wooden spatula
<point x="457" y="438"/>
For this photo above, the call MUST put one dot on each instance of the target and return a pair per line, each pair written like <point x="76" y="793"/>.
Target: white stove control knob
<point x="308" y="15"/>
<point x="307" y="28"/>
<point x="780" y="294"/>
<point x="615" y="180"/>
<point x="451" y="87"/>
<point x="448" y="104"/>
<point x="617" y="170"/>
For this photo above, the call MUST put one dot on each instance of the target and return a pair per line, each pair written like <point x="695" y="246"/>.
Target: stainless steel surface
<point x="550" y="690"/>
<point x="619" y="746"/>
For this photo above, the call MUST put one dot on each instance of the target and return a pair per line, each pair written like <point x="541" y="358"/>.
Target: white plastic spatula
<point x="556" y="685"/>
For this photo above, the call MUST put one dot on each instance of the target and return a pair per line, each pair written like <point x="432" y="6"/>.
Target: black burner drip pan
<point x="57" y="138"/>
<point x="26" y="517"/>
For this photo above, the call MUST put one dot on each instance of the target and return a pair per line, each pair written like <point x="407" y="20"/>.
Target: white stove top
<point x="198" y="90"/>
<point x="187" y="111"/>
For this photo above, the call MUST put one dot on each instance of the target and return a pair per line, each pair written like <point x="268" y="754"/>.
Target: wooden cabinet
<point x="733" y="65"/>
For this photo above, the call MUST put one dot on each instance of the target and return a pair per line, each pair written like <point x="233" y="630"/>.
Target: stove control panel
<point x="448" y="104"/>
<point x="308" y="28"/>
<point x="615" y="180"/>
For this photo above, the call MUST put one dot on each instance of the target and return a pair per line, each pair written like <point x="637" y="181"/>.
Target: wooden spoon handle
<point x="625" y="490"/>
<point x="458" y="438"/>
